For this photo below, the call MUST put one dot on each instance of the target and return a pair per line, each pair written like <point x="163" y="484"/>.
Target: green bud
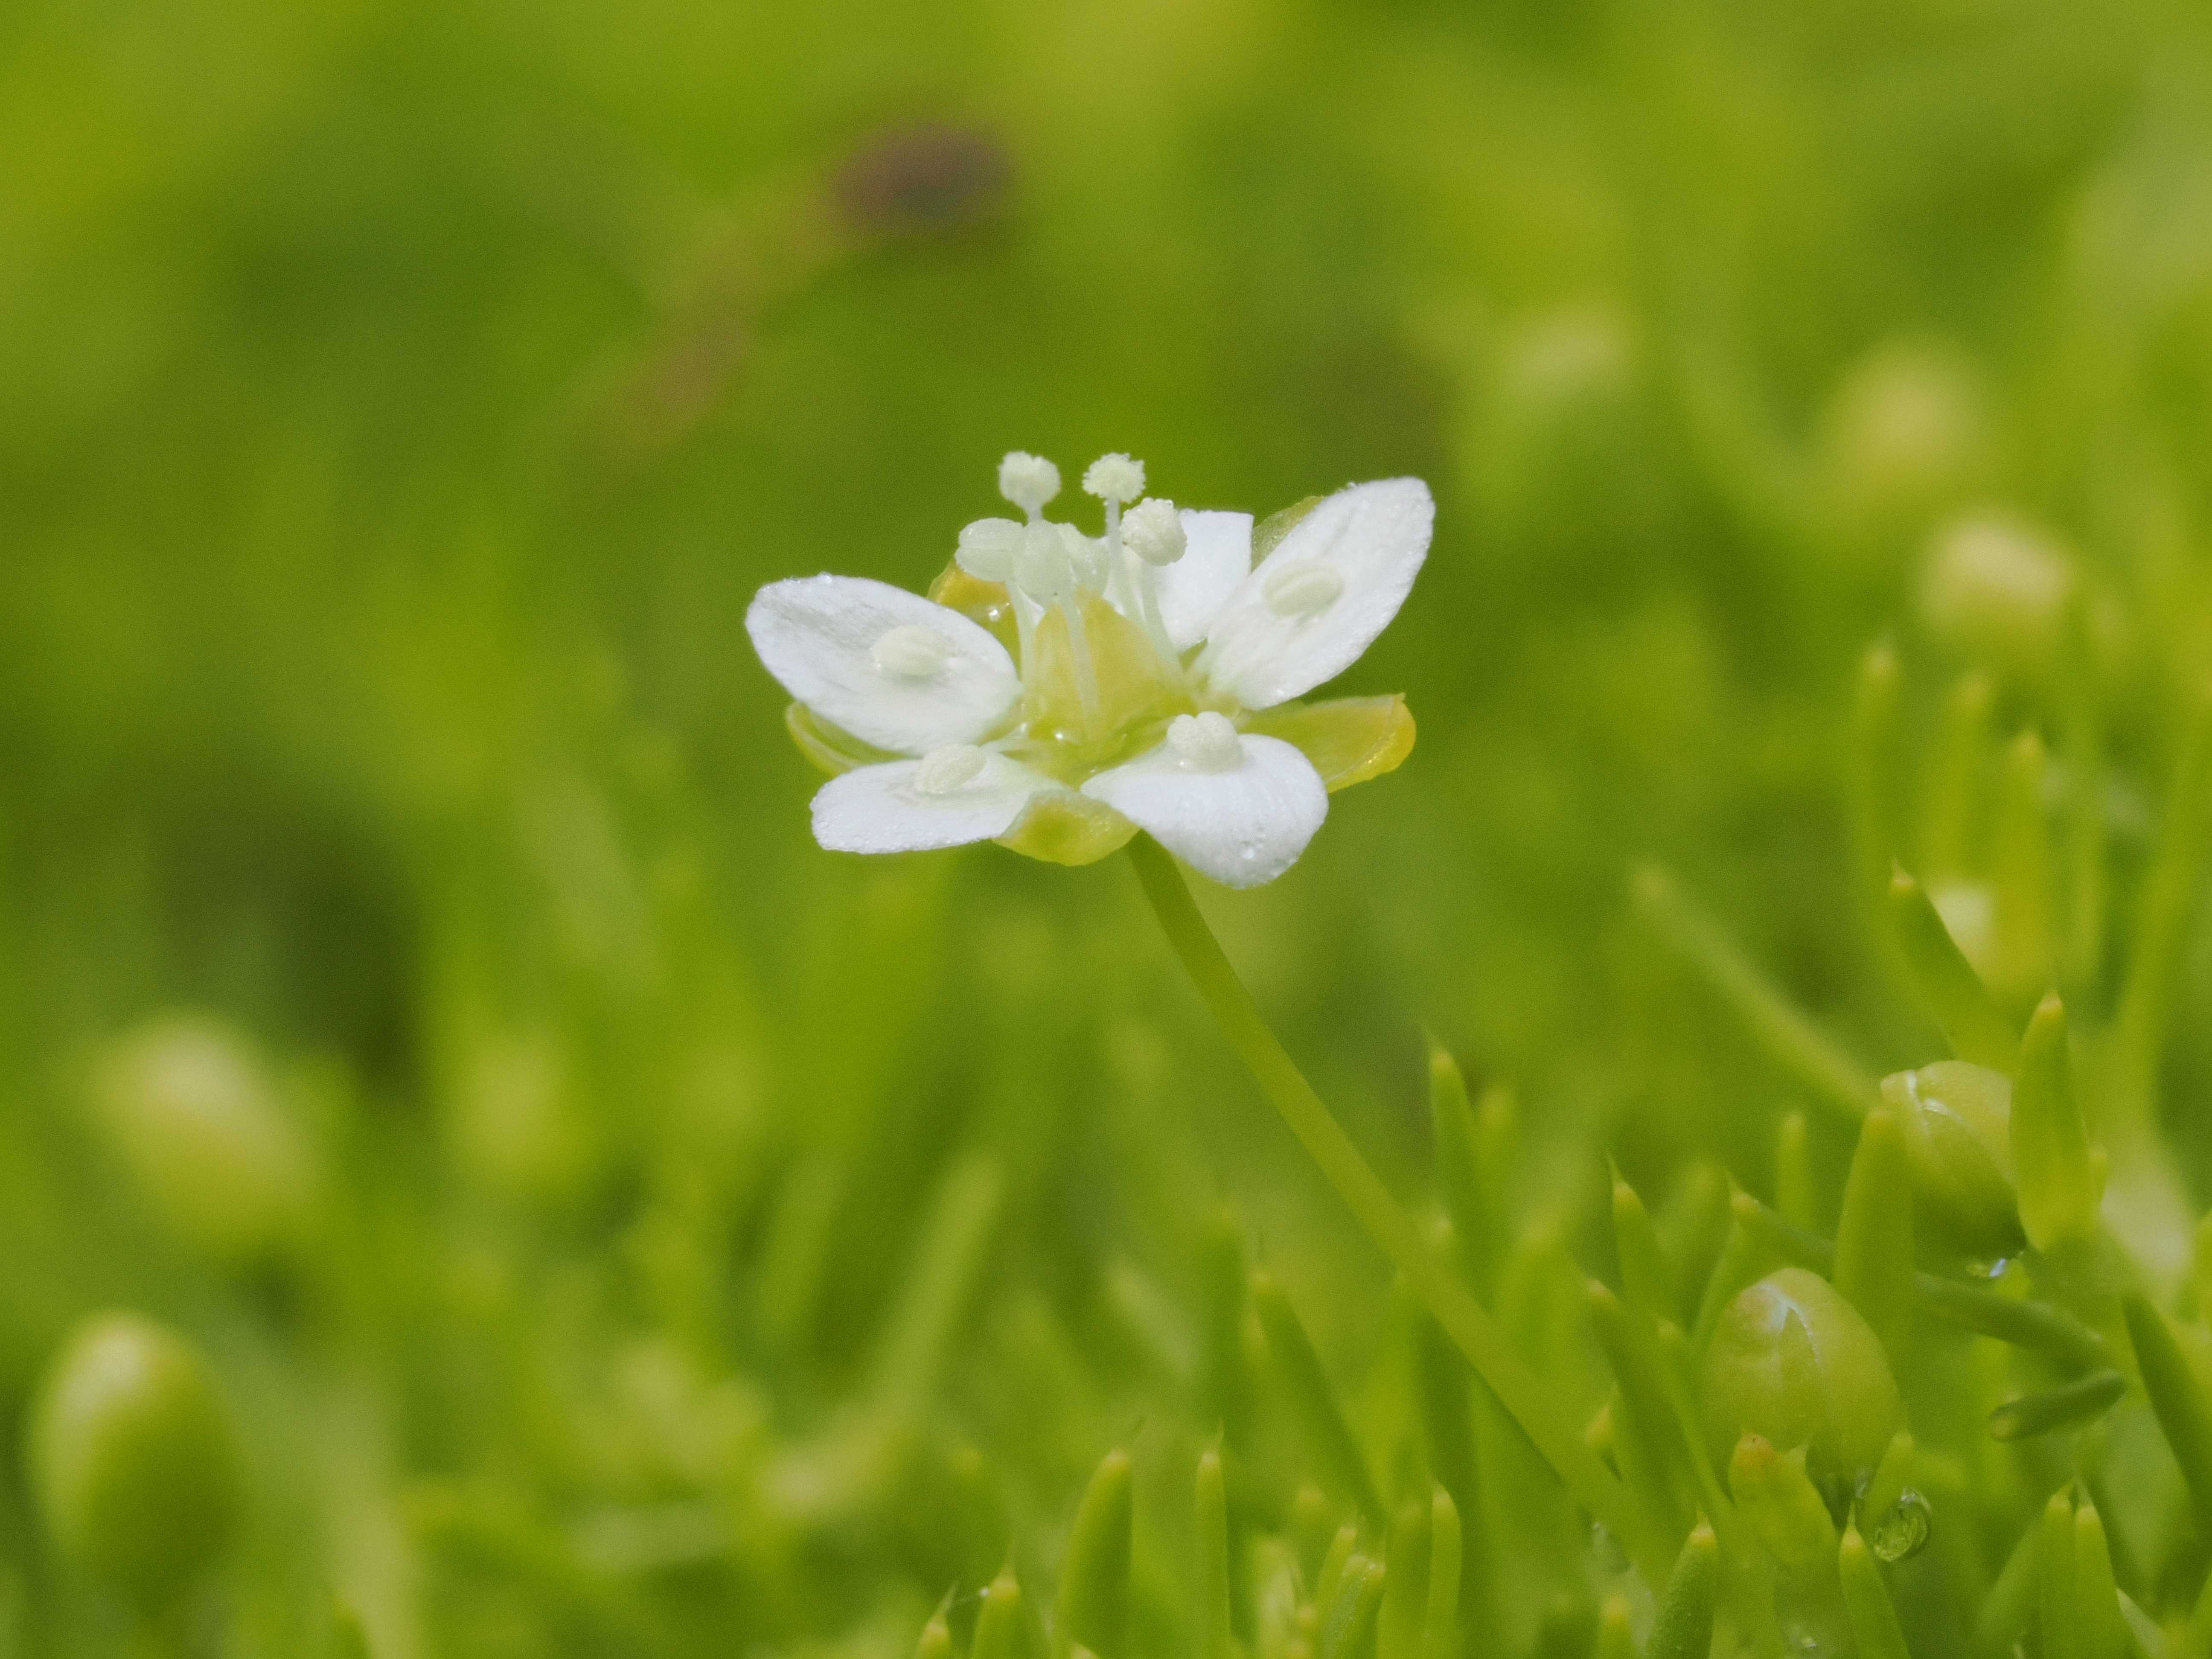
<point x="1905" y="430"/>
<point x="1776" y="1497"/>
<point x="1957" y="1122"/>
<point x="133" y="1458"/>
<point x="1792" y="1361"/>
<point x="190" y="1111"/>
<point x="1998" y="587"/>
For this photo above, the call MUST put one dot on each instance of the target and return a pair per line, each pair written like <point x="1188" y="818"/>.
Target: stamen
<point x="987" y="549"/>
<point x="1029" y="481"/>
<point x="1206" y="742"/>
<point x="1302" y="590"/>
<point x="1153" y="530"/>
<point x="947" y="771"/>
<point x="911" y="652"/>
<point x="1115" y="479"/>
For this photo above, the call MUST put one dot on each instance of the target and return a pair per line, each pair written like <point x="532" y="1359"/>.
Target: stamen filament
<point x="1078" y="651"/>
<point x="1026" y="616"/>
<point x="1518" y="1389"/>
<point x="1149" y="615"/>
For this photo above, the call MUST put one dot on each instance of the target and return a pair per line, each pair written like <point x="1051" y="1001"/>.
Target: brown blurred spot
<point x="745" y="260"/>
<point x="912" y="181"/>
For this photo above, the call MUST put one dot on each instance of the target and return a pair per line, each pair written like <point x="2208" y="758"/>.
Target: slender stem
<point x="1518" y="1389"/>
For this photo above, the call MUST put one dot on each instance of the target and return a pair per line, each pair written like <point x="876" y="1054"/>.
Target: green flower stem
<point x="1517" y="1387"/>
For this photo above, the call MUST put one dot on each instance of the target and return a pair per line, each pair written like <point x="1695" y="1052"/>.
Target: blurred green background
<point x="399" y="404"/>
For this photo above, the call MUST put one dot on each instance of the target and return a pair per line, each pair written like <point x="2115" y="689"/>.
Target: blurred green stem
<point x="1517" y="1387"/>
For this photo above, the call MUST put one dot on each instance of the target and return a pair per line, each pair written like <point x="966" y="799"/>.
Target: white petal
<point x="877" y="809"/>
<point x="817" y="635"/>
<point x="1368" y="540"/>
<point x="1242" y="826"/>
<point x="1216" y="555"/>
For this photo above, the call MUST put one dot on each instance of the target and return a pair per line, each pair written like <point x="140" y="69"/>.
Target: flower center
<point x="947" y="771"/>
<point x="1205" y="743"/>
<point x="1302" y="590"/>
<point x="910" y="651"/>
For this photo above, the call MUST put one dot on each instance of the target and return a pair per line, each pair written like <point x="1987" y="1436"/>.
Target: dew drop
<point x="1903" y="1533"/>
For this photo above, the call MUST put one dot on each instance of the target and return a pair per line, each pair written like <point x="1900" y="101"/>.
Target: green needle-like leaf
<point x="2068" y="1407"/>
<point x="936" y="1641"/>
<point x="1616" y="1632"/>
<point x="2176" y="1398"/>
<point x="2054" y="1572"/>
<point x="1874" y="1239"/>
<point x="1312" y="1400"/>
<point x="2098" y="1624"/>
<point x="1093" y="1608"/>
<point x="1793" y="1172"/>
<point x="1682" y="1628"/>
<point x="1214" y="1577"/>
<point x="2051" y="1164"/>
<point x="1405" y="1592"/>
<point x="1961" y="1004"/>
<point x="1440" y="1622"/>
<point x="1466" y="1186"/>
<point x="1002" y="1629"/>
<point x="1646" y="1282"/>
<point x="1347" y="1630"/>
<point x="1224" y="1377"/>
<point x="1866" y="1601"/>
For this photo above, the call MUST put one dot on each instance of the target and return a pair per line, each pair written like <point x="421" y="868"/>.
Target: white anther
<point x="1153" y="530"/>
<point x="1114" y="478"/>
<point x="1205" y="743"/>
<point x="1043" y="569"/>
<point x="1028" y="480"/>
<point x="911" y="652"/>
<point x="988" y="548"/>
<point x="947" y="771"/>
<point x="1302" y="590"/>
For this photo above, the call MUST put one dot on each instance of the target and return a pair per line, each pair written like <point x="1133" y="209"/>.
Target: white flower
<point x="1149" y="683"/>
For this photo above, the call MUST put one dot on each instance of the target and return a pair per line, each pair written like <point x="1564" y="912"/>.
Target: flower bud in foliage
<point x="1793" y="1363"/>
<point x="190" y="1110"/>
<point x="133" y="1458"/>
<point x="1956" y="1119"/>
<point x="1998" y="587"/>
